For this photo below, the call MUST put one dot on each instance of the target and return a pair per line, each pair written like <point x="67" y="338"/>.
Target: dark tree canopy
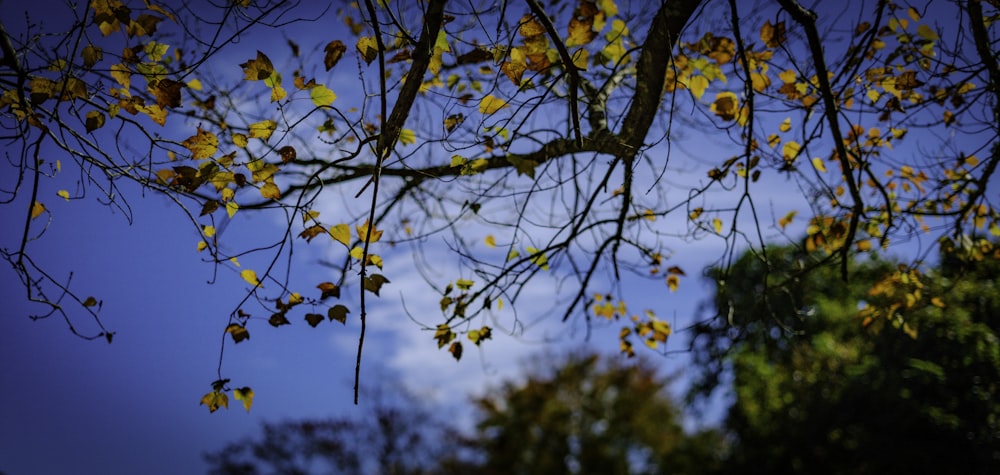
<point x="578" y="146"/>
<point x="821" y="388"/>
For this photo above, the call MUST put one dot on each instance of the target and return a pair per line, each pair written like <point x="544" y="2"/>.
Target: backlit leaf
<point x="202" y="145"/>
<point x="257" y="69"/>
<point x="232" y="208"/>
<point x="362" y="229"/>
<point x="37" y="209"/>
<point x="63" y="194"/>
<point x="717" y="225"/>
<point x="407" y="137"/>
<point x="464" y="284"/>
<point x="491" y="241"/>
<point x="245" y="395"/>
<point x="322" y="96"/>
<point x="263" y="129"/>
<point x="309" y="233"/>
<point x="341" y="233"/>
<point x="270" y="191"/>
<point x="251" y="277"/>
<point x="672" y="282"/>
<point x="368" y="47"/>
<point x="490" y="104"/>
<point x="787" y="219"/>
<point x="818" y="164"/>
<point x="790" y="150"/>
<point x="214" y="400"/>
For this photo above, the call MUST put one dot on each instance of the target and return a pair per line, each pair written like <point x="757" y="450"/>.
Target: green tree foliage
<point x="819" y="387"/>
<point x="579" y="145"/>
<point x="588" y="414"/>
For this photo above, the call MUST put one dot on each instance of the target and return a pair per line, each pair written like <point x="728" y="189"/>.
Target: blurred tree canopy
<point x="574" y="146"/>
<point x="819" y="387"/>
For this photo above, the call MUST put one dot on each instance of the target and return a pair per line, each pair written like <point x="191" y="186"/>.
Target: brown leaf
<point x="338" y="313"/>
<point x="287" y="153"/>
<point x="313" y="319"/>
<point x="278" y="319"/>
<point x="328" y="289"/>
<point x="334" y="51"/>
<point x="167" y="92"/>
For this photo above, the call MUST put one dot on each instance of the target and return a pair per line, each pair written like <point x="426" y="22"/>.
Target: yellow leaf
<point x="538" y="258"/>
<point x="37" y="209"/>
<point x="672" y="282"/>
<point x="208" y="230"/>
<point x="263" y="129"/>
<point x="912" y="12"/>
<point x="818" y="164"/>
<point x="491" y="104"/>
<point x="194" y="84"/>
<point x="786" y="125"/>
<point x="937" y="302"/>
<point x="790" y="150"/>
<point x="697" y="85"/>
<point x="322" y="96"/>
<point x="927" y="33"/>
<point x="464" y="284"/>
<point x="202" y="145"/>
<point x="63" y="194"/>
<point x="491" y="241"/>
<point x="357" y="252"/>
<point x="278" y="93"/>
<point x="362" y="229"/>
<point x="864" y="246"/>
<point x="787" y="219"/>
<point x="695" y="213"/>
<point x="214" y="400"/>
<point x="231" y="208"/>
<point x="240" y="140"/>
<point x="513" y="254"/>
<point x="717" y="225"/>
<point x="341" y="233"/>
<point x="251" y="277"/>
<point x="368" y="47"/>
<point x="270" y="191"/>
<point x="245" y="395"/>
<point x="407" y="137"/>
<point x="202" y="245"/>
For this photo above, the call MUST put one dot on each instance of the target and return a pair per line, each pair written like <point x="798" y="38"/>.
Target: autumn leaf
<point x="362" y="229"/>
<point x="238" y="332"/>
<point x="790" y="151"/>
<point x="270" y="191"/>
<point x="232" y="208"/>
<point x="333" y="51"/>
<point x="407" y="137"/>
<point x="94" y="121"/>
<point x="63" y="194"/>
<point x="214" y="400"/>
<point x="278" y="319"/>
<point x="787" y="219"/>
<point x="341" y="233"/>
<point x="328" y="289"/>
<point x="456" y="350"/>
<point x="245" y="395"/>
<point x="338" y="313"/>
<point x="368" y="47"/>
<point x="672" y="282"/>
<point x="263" y="129"/>
<point x="257" y="69"/>
<point x="773" y="35"/>
<point x="490" y="104"/>
<point x="322" y="96"/>
<point x="251" y="277"/>
<point x="477" y="336"/>
<point x="313" y="319"/>
<point x="37" y="209"/>
<point x="90" y="302"/>
<point x="374" y="283"/>
<point x="309" y="233"/>
<point x="726" y="105"/>
<point x="717" y="225"/>
<point x="491" y="241"/>
<point x="202" y="145"/>
<point x="464" y="284"/>
<point x="818" y="164"/>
